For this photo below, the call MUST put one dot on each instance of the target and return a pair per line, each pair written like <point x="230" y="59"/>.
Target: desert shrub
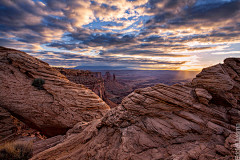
<point x="16" y="151"/>
<point x="38" y="83"/>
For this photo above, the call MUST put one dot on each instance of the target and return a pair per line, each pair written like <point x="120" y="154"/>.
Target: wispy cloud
<point x="179" y="34"/>
<point x="223" y="53"/>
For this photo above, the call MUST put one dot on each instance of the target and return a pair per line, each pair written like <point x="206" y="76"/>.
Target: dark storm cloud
<point x="66" y="46"/>
<point x="176" y="13"/>
<point x="108" y="39"/>
<point x="136" y="52"/>
<point x="84" y="39"/>
<point x="214" y="11"/>
<point x="169" y="27"/>
<point x="69" y="57"/>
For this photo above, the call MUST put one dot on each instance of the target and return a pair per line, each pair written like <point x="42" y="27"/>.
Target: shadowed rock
<point x="54" y="109"/>
<point x="107" y="77"/>
<point x="7" y="127"/>
<point x="193" y="121"/>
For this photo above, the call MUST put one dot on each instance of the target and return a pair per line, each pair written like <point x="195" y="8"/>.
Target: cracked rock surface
<point x="54" y="109"/>
<point x="192" y="121"/>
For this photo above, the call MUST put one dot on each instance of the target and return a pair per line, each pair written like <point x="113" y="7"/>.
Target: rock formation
<point x="107" y="77"/>
<point x="97" y="74"/>
<point x="92" y="80"/>
<point x="114" y="78"/>
<point x="52" y="108"/>
<point x="86" y="78"/>
<point x="116" y="91"/>
<point x="7" y="127"/>
<point x="192" y="121"/>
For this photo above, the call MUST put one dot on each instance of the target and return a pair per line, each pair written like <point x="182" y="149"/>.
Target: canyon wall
<point x="92" y="80"/>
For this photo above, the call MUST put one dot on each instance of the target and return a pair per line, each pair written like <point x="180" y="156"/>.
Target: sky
<point x="123" y="34"/>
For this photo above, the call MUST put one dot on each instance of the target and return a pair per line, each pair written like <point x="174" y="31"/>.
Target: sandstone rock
<point x="86" y="78"/>
<point x="203" y="95"/>
<point x="206" y="157"/>
<point x="53" y="110"/>
<point x="219" y="81"/>
<point x="92" y="80"/>
<point x="162" y="122"/>
<point x="42" y="145"/>
<point x="7" y="127"/>
<point x="222" y="150"/>
<point x="116" y="91"/>
<point x="230" y="143"/>
<point x="107" y="77"/>
<point x="114" y="77"/>
<point x="97" y="74"/>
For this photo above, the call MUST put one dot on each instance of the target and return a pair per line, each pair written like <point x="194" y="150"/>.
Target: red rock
<point x="52" y="110"/>
<point x="222" y="150"/>
<point x="92" y="80"/>
<point x="159" y="122"/>
<point x="114" y="78"/>
<point x="107" y="77"/>
<point x="7" y="128"/>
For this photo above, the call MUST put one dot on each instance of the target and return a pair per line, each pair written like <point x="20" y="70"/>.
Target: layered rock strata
<point x="7" y="127"/>
<point x="54" y="107"/>
<point x="107" y="77"/>
<point x="86" y="78"/>
<point x="192" y="121"/>
<point x="92" y="80"/>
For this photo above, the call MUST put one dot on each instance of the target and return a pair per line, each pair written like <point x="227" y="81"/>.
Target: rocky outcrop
<point x="114" y="78"/>
<point x="86" y="78"/>
<point x="116" y="91"/>
<point x="7" y="127"/>
<point x="92" y="80"/>
<point x="192" y="121"/>
<point x="55" y="106"/>
<point x="97" y="74"/>
<point x="42" y="145"/>
<point x="107" y="77"/>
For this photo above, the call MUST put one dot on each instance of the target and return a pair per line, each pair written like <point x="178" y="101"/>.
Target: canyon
<point x="193" y="120"/>
<point x="92" y="80"/>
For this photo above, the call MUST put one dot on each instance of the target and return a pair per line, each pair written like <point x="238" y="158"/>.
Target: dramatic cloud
<point x="134" y="34"/>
